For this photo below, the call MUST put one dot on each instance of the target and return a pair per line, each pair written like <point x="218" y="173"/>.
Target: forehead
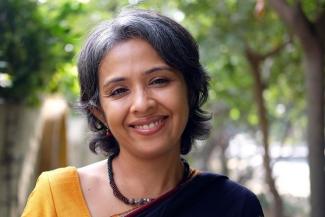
<point x="132" y="46"/>
<point x="130" y="55"/>
<point x="130" y="59"/>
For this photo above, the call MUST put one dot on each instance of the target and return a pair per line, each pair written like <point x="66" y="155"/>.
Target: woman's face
<point x="143" y="99"/>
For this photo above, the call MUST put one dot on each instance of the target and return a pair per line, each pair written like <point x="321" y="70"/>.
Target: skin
<point x="144" y="104"/>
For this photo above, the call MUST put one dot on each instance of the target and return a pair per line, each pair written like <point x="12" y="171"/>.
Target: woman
<point x="142" y="88"/>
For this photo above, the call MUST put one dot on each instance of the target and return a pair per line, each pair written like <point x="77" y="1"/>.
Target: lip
<point x="141" y="126"/>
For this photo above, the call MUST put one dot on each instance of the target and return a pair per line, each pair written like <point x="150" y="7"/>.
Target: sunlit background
<point x="253" y="58"/>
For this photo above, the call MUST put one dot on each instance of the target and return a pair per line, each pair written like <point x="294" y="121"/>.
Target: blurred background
<point x="266" y="62"/>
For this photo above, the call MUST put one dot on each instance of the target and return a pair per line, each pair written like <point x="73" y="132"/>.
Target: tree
<point x="223" y="30"/>
<point x="33" y="46"/>
<point x="255" y="59"/>
<point x="311" y="35"/>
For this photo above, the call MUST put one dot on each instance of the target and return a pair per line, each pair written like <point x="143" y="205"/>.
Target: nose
<point x="143" y="103"/>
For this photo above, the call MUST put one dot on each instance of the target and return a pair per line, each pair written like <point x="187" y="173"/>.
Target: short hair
<point x="173" y="43"/>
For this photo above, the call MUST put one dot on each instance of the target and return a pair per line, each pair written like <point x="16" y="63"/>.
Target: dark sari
<point x="204" y="195"/>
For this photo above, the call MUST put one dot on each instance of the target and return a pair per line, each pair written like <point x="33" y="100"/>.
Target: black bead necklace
<point x="133" y="201"/>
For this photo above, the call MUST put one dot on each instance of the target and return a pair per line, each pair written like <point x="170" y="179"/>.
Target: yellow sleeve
<point x="40" y="202"/>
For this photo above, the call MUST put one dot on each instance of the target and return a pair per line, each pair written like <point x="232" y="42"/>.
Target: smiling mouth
<point x="148" y="127"/>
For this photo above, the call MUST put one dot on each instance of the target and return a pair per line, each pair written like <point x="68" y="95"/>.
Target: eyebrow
<point x="146" y="72"/>
<point x="159" y="68"/>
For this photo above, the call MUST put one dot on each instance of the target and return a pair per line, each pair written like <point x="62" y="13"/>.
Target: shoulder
<point x="229" y="195"/>
<point x="42" y="200"/>
<point x="58" y="181"/>
<point x="92" y="170"/>
<point x="61" y="175"/>
<point x="223" y="184"/>
<point x="49" y="179"/>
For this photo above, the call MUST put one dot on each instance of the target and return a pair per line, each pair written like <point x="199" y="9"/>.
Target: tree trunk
<point x="8" y="198"/>
<point x="23" y="131"/>
<point x="206" y="153"/>
<point x="223" y="157"/>
<point x="17" y="125"/>
<point x="219" y="139"/>
<point x="315" y="129"/>
<point x="309" y="35"/>
<point x="255" y="61"/>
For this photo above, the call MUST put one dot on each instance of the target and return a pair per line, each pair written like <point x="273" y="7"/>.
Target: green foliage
<point x="40" y="45"/>
<point x="224" y="29"/>
<point x="313" y="8"/>
<point x="33" y="45"/>
<point x="65" y="82"/>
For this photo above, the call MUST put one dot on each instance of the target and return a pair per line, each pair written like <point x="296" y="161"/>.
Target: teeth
<point x="148" y="126"/>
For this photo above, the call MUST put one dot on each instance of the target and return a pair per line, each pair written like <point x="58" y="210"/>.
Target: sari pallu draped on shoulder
<point x="206" y="195"/>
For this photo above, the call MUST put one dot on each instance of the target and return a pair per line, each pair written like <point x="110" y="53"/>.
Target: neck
<point x="138" y="178"/>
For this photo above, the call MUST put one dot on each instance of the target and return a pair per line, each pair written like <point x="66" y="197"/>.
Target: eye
<point x="119" y="91"/>
<point x="160" y="81"/>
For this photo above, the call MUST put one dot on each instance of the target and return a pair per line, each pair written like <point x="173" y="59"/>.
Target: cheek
<point x="176" y="101"/>
<point x="181" y="100"/>
<point x="114" y="113"/>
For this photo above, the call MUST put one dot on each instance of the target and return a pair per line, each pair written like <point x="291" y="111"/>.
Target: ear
<point x="99" y="114"/>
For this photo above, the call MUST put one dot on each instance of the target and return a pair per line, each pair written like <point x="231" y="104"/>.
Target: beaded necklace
<point x="139" y="201"/>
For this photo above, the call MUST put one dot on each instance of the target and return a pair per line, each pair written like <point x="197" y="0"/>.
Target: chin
<point x="156" y="152"/>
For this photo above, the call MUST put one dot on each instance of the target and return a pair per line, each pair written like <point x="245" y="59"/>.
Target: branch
<point x="296" y="19"/>
<point x="276" y="49"/>
<point x="253" y="57"/>
<point x="284" y="11"/>
<point x="257" y="57"/>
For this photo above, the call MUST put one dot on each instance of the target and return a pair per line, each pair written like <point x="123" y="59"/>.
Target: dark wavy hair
<point x="175" y="46"/>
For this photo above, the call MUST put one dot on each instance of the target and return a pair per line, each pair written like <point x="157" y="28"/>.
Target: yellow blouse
<point x="57" y="193"/>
